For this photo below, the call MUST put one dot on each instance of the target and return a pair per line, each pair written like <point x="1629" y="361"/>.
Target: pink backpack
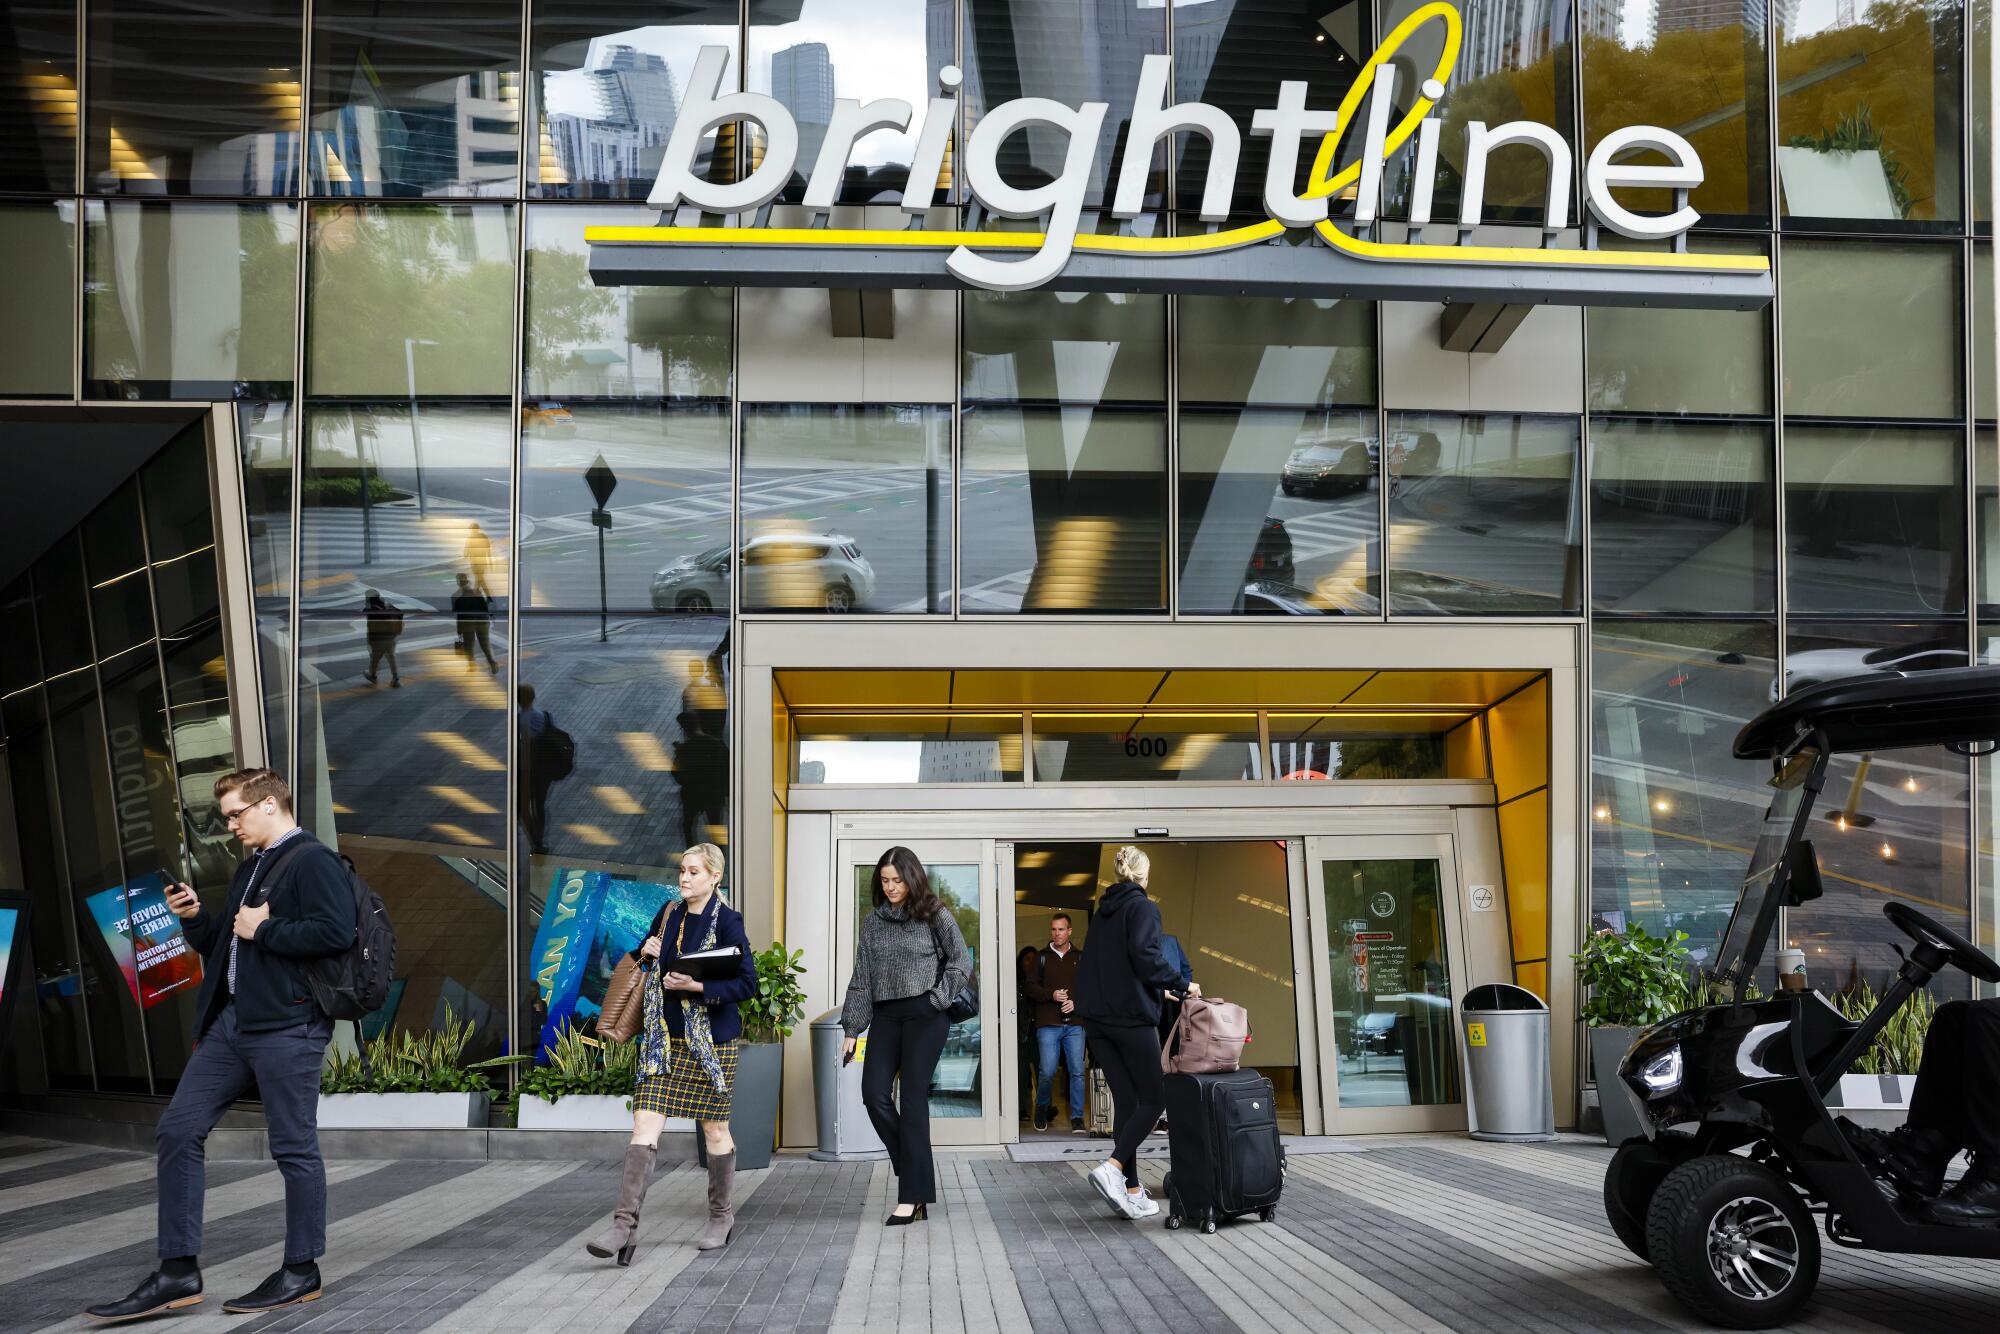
<point x="1207" y="1039"/>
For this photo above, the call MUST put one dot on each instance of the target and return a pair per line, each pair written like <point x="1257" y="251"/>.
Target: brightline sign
<point x="1299" y="251"/>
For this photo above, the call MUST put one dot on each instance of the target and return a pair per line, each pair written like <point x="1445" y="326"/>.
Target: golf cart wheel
<point x="1732" y="1242"/>
<point x="1635" y="1173"/>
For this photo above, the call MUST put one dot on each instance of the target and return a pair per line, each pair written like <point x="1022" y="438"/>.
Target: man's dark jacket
<point x="1051" y="973"/>
<point x="1124" y="973"/>
<point x="312" y="916"/>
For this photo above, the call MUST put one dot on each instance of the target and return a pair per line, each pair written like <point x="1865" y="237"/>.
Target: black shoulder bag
<point x="965" y="1005"/>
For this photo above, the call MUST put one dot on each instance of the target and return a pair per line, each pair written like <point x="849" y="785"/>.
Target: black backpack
<point x="555" y="753"/>
<point x="356" y="981"/>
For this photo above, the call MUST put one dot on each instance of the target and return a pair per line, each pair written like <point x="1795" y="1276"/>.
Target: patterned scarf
<point x="653" y="1055"/>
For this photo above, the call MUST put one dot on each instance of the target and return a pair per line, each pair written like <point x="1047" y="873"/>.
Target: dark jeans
<point x="1958" y="1088"/>
<point x="905" y="1036"/>
<point x="283" y="1066"/>
<point x="1130" y="1060"/>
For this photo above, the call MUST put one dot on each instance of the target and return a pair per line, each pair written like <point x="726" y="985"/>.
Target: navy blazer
<point x="720" y="998"/>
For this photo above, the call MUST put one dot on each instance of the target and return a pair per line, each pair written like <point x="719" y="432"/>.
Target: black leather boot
<point x="1914" y="1159"/>
<point x="156" y="1296"/>
<point x="284" y="1288"/>
<point x="1974" y="1201"/>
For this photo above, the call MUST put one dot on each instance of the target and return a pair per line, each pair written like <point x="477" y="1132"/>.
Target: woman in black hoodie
<point x="1119" y="987"/>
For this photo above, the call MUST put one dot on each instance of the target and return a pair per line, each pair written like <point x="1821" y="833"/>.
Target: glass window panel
<point x="189" y="300"/>
<point x="411" y="300"/>
<point x="1682" y="517"/>
<point x="648" y="708"/>
<point x="38" y="292"/>
<point x="1901" y="302"/>
<point x="1514" y="65"/>
<point x="1868" y="122"/>
<point x="234" y="65"/>
<point x="1148" y="748"/>
<point x="1290" y="352"/>
<point x="1331" y="747"/>
<point x="668" y="544"/>
<point x="585" y="341"/>
<point x="1073" y="51"/>
<point x="1278" y="515"/>
<point x="1697" y="66"/>
<point x="1682" y="361"/>
<point x="1891" y="825"/>
<point x="413" y="505"/>
<point x="1981" y="65"/>
<point x="20" y="661"/>
<point x="62" y="627"/>
<point x="1484" y="515"/>
<point x="806" y="53"/>
<point x="1234" y="56"/>
<point x="1982" y="333"/>
<point x="1065" y="347"/>
<point x="608" y="80"/>
<point x="845" y="508"/>
<point x="1392" y="1011"/>
<point x="38" y="96"/>
<point x="267" y="434"/>
<point x="418" y="99"/>
<point x="1986" y="556"/>
<point x="180" y="529"/>
<point x="908" y="748"/>
<point x="1875" y="520"/>
<point x="58" y="976"/>
<point x="1671" y="810"/>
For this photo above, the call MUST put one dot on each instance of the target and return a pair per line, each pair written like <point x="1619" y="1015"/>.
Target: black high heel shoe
<point x="902" y="1220"/>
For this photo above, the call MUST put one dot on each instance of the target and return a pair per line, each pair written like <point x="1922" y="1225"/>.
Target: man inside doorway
<point x="1050" y="981"/>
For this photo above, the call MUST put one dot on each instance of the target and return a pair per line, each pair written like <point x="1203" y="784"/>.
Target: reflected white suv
<point x="781" y="572"/>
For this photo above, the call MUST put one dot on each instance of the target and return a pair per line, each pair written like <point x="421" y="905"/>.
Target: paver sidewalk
<point x="1412" y="1233"/>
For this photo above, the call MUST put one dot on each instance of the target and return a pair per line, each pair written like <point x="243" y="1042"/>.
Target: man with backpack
<point x="290" y="921"/>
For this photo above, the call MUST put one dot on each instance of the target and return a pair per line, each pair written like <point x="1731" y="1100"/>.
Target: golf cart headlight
<point x="1662" y="1074"/>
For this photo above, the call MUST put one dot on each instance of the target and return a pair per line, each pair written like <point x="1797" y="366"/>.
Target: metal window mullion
<point x="53" y="786"/>
<point x="294" y="553"/>
<point x="1171" y="558"/>
<point x="513" y="864"/>
<point x="76" y="179"/>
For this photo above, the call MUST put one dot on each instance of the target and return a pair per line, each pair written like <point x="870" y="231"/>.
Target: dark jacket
<point x="898" y="957"/>
<point x="720" y="998"/>
<point x="312" y="916"/>
<point x="1049" y="973"/>
<point x="1124" y="971"/>
<point x="1170" y="946"/>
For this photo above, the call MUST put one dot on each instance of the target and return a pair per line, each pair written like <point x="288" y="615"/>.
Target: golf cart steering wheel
<point x="1927" y="931"/>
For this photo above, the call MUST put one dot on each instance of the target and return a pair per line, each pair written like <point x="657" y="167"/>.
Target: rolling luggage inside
<point x="1097" y="1099"/>
<point x="1222" y="1139"/>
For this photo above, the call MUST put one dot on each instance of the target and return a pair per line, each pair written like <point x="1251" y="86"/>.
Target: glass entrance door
<point x="965" y="1090"/>
<point x="1386" y="937"/>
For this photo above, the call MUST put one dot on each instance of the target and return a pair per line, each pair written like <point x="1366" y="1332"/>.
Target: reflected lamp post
<point x="410" y="346"/>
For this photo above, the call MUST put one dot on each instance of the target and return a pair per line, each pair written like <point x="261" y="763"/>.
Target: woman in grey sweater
<point x="910" y="962"/>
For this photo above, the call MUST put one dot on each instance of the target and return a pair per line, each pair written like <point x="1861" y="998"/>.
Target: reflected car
<point x="1328" y="467"/>
<point x="1271" y="597"/>
<point x="781" y="572"/>
<point x="1409" y="451"/>
<point x="1819" y="665"/>
<point x="548" y="417"/>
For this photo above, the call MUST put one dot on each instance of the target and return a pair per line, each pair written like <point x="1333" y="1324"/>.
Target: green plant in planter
<point x="407" y="1062"/>
<point x="1635" y="979"/>
<point x="780" y="1003"/>
<point x="1899" y="1048"/>
<point x="579" y="1064"/>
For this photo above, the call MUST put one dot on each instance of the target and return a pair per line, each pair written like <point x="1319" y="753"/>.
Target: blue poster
<point x="591" y="920"/>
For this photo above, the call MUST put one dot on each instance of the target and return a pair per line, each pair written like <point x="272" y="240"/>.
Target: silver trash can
<point x="1507" y="1064"/>
<point x="845" y="1135"/>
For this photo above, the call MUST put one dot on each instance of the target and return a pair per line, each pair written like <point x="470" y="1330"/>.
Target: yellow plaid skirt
<point x="684" y="1090"/>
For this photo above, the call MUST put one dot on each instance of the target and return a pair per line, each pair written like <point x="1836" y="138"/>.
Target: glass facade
<point x="371" y="241"/>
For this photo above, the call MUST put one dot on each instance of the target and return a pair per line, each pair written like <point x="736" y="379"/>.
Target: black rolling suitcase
<point x="1222" y="1140"/>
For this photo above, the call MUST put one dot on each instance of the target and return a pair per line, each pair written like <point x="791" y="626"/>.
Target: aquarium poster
<point x="591" y="920"/>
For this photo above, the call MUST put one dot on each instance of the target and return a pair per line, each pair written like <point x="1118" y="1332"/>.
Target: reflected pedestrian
<point x="701" y="767"/>
<point x="478" y="555"/>
<point x="533" y="724"/>
<point x="385" y="627"/>
<point x="910" y="962"/>
<point x="474" y="611"/>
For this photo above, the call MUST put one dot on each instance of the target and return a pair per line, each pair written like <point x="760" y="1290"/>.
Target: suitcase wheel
<point x="1268" y="1213"/>
<point x="1173" y="1222"/>
<point x="1208" y="1227"/>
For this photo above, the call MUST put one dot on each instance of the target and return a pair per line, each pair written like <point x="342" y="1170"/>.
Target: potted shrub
<point x="406" y="1081"/>
<point x="768" y="1019"/>
<point x="586" y="1084"/>
<point x="1883" y="1077"/>
<point x="1635" y="981"/>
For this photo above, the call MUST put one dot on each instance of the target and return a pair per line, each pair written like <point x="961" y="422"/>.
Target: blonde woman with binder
<point x="688" y="1030"/>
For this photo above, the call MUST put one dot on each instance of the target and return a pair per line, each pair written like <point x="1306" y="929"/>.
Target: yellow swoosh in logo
<point x="1234" y="238"/>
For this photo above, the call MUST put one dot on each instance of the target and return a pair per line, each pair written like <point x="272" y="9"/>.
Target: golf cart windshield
<point x="1742" y="948"/>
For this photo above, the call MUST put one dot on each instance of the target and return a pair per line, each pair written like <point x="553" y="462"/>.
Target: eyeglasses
<point x="231" y="817"/>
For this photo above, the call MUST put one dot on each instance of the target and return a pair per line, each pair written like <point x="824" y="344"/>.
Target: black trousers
<point x="1958" y="1088"/>
<point x="905" y="1037"/>
<point x="1130" y="1060"/>
<point x="283" y="1066"/>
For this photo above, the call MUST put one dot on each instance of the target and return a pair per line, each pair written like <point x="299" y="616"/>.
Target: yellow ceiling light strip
<point x="1234" y="238"/>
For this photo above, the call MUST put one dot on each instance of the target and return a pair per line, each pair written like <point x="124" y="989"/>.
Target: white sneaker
<point x="1109" y="1182"/>
<point x="1143" y="1204"/>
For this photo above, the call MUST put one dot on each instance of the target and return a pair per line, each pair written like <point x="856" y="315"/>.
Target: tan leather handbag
<point x="624" y="1001"/>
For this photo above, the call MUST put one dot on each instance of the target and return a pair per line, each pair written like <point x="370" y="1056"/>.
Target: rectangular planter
<point x="575" y="1111"/>
<point x="753" y="1105"/>
<point x="1620" y="1107"/>
<point x="402" y="1111"/>
<point x="1872" y="1093"/>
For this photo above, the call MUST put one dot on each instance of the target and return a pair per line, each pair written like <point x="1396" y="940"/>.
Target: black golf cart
<point x="1741" y="1163"/>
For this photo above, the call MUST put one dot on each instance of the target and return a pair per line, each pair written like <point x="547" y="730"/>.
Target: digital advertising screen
<point x="10" y="927"/>
<point x="146" y="939"/>
<point x="591" y="920"/>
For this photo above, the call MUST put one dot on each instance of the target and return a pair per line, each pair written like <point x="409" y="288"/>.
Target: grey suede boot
<point x="721" y="1214"/>
<point x="622" y="1237"/>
